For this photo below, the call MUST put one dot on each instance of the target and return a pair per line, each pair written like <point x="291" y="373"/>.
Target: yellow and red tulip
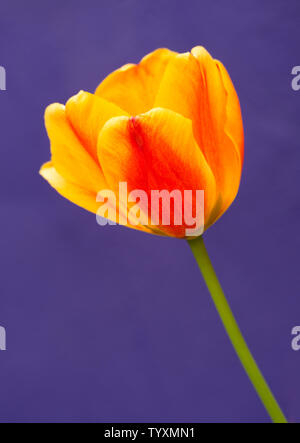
<point x="173" y="121"/>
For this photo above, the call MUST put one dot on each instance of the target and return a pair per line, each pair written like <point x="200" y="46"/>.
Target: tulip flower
<point x="171" y="122"/>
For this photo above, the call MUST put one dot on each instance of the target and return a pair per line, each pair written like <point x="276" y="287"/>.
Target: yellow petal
<point x="134" y="87"/>
<point x="69" y="157"/>
<point x="192" y="85"/>
<point x="155" y="151"/>
<point x="87" y="114"/>
<point x="72" y="171"/>
<point x="233" y="125"/>
<point x="70" y="191"/>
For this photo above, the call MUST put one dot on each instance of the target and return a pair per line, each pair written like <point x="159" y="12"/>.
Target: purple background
<point x="106" y="324"/>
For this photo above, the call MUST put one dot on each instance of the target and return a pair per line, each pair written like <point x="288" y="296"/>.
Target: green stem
<point x="232" y="329"/>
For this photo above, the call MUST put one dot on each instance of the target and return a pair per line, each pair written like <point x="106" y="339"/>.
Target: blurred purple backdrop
<point x="106" y="324"/>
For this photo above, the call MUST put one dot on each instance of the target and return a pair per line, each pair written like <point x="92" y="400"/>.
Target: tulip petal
<point x="192" y="85"/>
<point x="72" y="171"/>
<point x="134" y="87"/>
<point x="77" y="195"/>
<point x="70" y="191"/>
<point x="87" y="114"/>
<point x="155" y="151"/>
<point x="234" y="127"/>
<point x="69" y="157"/>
